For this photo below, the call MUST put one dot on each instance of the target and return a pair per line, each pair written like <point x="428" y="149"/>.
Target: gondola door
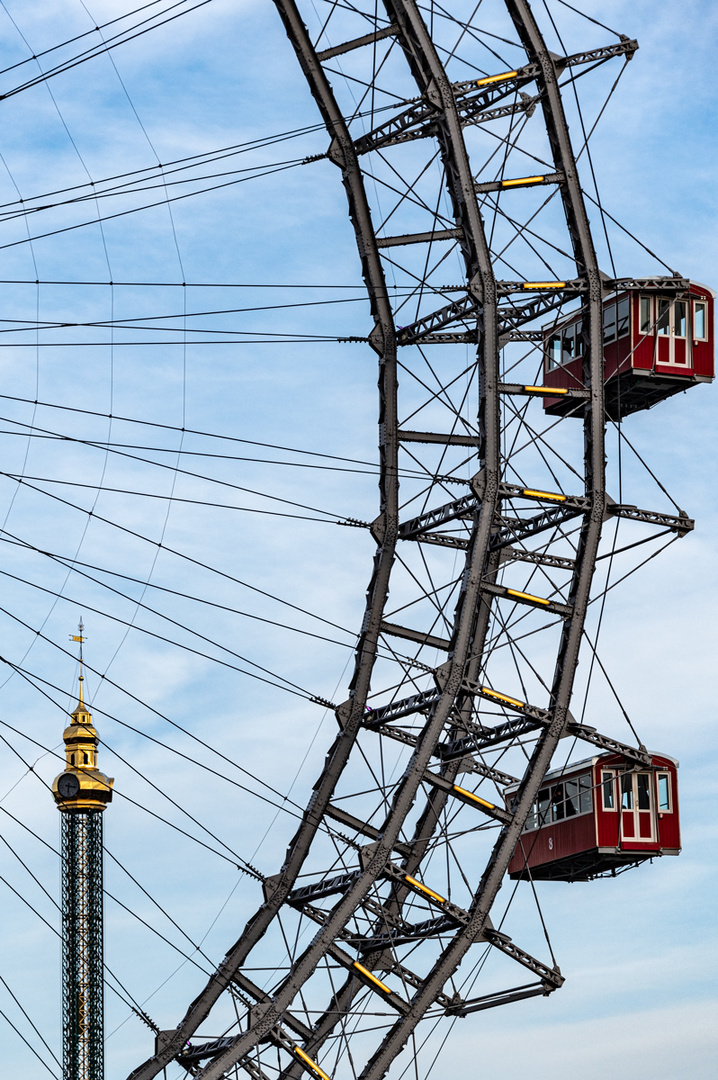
<point x="637" y="809"/>
<point x="672" y="342"/>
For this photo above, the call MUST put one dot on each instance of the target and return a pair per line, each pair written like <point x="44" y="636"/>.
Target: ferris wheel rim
<point x="414" y="36"/>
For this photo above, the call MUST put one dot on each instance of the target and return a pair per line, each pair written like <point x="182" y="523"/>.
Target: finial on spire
<point x="79" y="637"/>
<point x="81" y="787"/>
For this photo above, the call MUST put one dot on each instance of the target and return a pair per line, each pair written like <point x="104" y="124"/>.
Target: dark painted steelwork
<point x="372" y="900"/>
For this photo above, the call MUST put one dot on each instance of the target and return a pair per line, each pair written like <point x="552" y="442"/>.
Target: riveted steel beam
<point x="430" y="640"/>
<point x="504" y="944"/>
<point x="539" y="602"/>
<point x="518" y="182"/>
<point x="443" y="438"/>
<point x="421" y="119"/>
<point x="604" y="742"/>
<point x="536" y="391"/>
<point x="504" y="997"/>
<point x="418" y="238"/>
<point x="416" y="703"/>
<point x="363" y="827"/>
<point x="465" y="507"/>
<point x="456" y="311"/>
<point x="568" y="289"/>
<point x="356" y="43"/>
<point x="513" y="316"/>
<point x="519" y="529"/>
<point x="498" y="813"/>
<point x="678" y="523"/>
<point x="538" y="558"/>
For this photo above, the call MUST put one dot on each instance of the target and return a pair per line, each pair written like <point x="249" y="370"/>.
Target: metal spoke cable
<point x="32" y="1025"/>
<point x="29" y="677"/>
<point x="115" y="860"/>
<point x="269" y="171"/>
<point x="30" y="1047"/>
<point x="174" y="469"/>
<point x="288" y="805"/>
<point x="587" y="135"/>
<point x="127" y="999"/>
<point x="120" y="794"/>
<point x="82" y="36"/>
<point x="189" y="431"/>
<point x="27" y="869"/>
<point x="72" y="564"/>
<point x="105" y="488"/>
<point x="102" y="444"/>
<point x="629" y="233"/>
<point x="256" y="171"/>
<point x="193" y="561"/>
<point x="33" y="680"/>
<point x="589" y="18"/>
<point x="623" y="438"/>
<point x="98" y="50"/>
<point x="123" y="321"/>
<point x="185" y="956"/>
<point x="284" y="684"/>
<point x="243" y="337"/>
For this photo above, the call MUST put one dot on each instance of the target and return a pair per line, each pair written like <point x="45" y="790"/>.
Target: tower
<point x="81" y="793"/>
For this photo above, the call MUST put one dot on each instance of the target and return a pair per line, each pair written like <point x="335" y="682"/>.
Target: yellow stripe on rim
<point x="312" y="1064"/>
<point x="474" y="798"/>
<point x="496" y="78"/>
<point x="368" y="975"/>
<point x="527" y="596"/>
<point x="544" y="390"/>
<point x="502" y="697"/>
<point x="544" y="495"/>
<point x="544" y="285"/>
<point x="424" y="889"/>
<point x="523" y="180"/>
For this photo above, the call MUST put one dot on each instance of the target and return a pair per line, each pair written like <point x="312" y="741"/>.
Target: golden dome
<point x="81" y="786"/>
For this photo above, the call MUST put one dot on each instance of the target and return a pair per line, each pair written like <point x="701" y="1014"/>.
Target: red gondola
<point x="599" y="816"/>
<point x="654" y="346"/>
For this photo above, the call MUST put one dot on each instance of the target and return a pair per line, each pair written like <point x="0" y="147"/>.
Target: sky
<point x="638" y="952"/>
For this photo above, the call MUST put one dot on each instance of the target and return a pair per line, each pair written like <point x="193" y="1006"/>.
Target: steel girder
<point x="337" y="973"/>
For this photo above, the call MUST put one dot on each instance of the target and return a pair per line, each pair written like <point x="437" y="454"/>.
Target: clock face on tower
<point x="68" y="785"/>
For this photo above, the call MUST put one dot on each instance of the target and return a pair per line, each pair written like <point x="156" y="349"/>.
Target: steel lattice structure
<point x="82" y="966"/>
<point x="81" y="794"/>
<point x="488" y="549"/>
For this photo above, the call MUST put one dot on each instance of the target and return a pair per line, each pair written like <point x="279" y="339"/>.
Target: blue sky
<point x="638" y="953"/>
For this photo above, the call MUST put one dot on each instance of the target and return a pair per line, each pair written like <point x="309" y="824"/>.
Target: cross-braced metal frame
<point x="82" y="928"/>
<point x="453" y="148"/>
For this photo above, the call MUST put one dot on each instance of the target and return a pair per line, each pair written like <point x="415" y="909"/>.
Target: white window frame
<point x="696" y="305"/>
<point x="669" y="787"/>
<point x="533" y="822"/>
<point x="627" y="329"/>
<point x="674" y="320"/>
<point x="609" y="774"/>
<point x="663" y="331"/>
<point x="552" y="363"/>
<point x="651" y="323"/>
<point x="669" y="334"/>
<point x="616" y="306"/>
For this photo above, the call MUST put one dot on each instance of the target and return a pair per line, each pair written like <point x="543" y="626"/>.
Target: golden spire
<point x="81" y="786"/>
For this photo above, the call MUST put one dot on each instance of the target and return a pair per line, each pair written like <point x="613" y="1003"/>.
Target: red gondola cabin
<point x="599" y="816"/>
<point x="654" y="346"/>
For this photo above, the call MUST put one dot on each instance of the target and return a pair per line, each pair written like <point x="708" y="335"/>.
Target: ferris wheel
<point x="504" y="350"/>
